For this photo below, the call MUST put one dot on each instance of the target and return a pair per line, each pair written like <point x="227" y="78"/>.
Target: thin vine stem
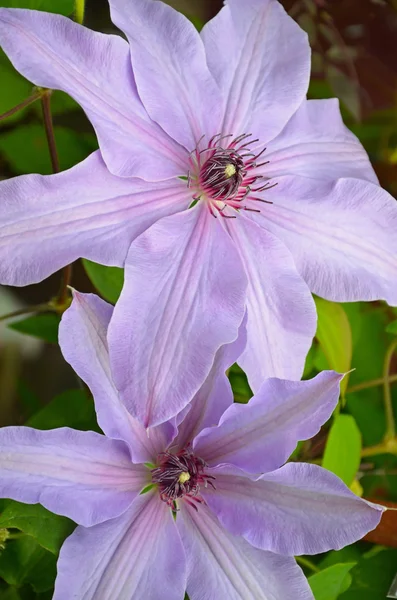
<point x="49" y="130"/>
<point x="371" y="383"/>
<point x="35" y="96"/>
<point x="391" y="428"/>
<point x="26" y="311"/>
<point x="305" y="562"/>
<point x="79" y="11"/>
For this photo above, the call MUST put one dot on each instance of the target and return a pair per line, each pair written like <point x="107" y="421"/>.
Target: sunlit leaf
<point x="47" y="529"/>
<point x="335" y="337"/>
<point x="62" y="7"/>
<point x="343" y="449"/>
<point x="43" y="326"/>
<point x="107" y="280"/>
<point x="329" y="583"/>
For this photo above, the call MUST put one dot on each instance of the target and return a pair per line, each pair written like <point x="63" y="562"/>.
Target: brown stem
<point x="49" y="130"/>
<point x="35" y="96"/>
<point x="26" y="311"/>
<point x="65" y="282"/>
<point x="391" y="428"/>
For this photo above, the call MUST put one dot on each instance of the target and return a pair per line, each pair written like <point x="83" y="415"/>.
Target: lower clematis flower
<point x="286" y="202"/>
<point x="202" y="503"/>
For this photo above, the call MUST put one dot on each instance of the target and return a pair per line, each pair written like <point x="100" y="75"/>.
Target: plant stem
<point x="391" y="429"/>
<point x="26" y="311"/>
<point x="79" y="11"/>
<point x="35" y="96"/>
<point x="305" y="562"/>
<point x="49" y="129"/>
<point x="371" y="383"/>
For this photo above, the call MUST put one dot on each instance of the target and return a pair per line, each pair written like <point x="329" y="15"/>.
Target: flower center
<point x="180" y="476"/>
<point x="225" y="175"/>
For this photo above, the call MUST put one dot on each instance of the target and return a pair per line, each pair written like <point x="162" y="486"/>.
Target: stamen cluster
<point x="224" y="175"/>
<point x="180" y="476"/>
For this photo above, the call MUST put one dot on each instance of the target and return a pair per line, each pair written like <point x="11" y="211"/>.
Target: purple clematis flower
<point x="286" y="200"/>
<point x="240" y="516"/>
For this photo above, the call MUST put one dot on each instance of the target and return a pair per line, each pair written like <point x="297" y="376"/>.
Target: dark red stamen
<point x="180" y="476"/>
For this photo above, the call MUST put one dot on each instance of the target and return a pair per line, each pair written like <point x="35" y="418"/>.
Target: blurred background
<point x="354" y="59"/>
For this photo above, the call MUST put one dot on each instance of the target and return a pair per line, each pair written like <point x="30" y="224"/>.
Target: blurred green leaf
<point x="335" y="337"/>
<point x="43" y="326"/>
<point x="47" y="529"/>
<point x="329" y="583"/>
<point x="392" y="328"/>
<point x="372" y="577"/>
<point x="14" y="88"/>
<point x="62" y="7"/>
<point x="342" y="453"/>
<point x="72" y="408"/>
<point x="107" y="280"/>
<point x="25" y="561"/>
<point x="240" y="386"/>
<point x="26" y="148"/>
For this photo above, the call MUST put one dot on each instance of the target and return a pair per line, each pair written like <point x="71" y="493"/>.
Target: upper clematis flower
<point x="285" y="200"/>
<point x="223" y="517"/>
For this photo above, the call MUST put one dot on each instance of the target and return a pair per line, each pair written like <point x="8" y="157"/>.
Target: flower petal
<point x="298" y="509"/>
<point x="261" y="59"/>
<point x="83" y="341"/>
<point x="137" y="555"/>
<point x="79" y="474"/>
<point x="48" y="222"/>
<point x="342" y="236"/>
<point x="221" y="565"/>
<point x="261" y="435"/>
<point x="316" y="143"/>
<point x="183" y="298"/>
<point x="170" y="68"/>
<point x="281" y="311"/>
<point x="215" y="395"/>
<point x="95" y="70"/>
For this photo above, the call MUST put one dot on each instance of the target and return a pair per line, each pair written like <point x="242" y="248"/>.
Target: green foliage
<point x="372" y="577"/>
<point x="108" y="281"/>
<point x="332" y="581"/>
<point x="25" y="561"/>
<point x="392" y="328"/>
<point x="343" y="449"/>
<point x="73" y="408"/>
<point x="48" y="530"/>
<point x="44" y="327"/>
<point x="334" y="336"/>
<point x="62" y="7"/>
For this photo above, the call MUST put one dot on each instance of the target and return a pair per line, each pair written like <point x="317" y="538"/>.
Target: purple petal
<point x="48" y="222"/>
<point x="342" y="236"/>
<point x="316" y="143"/>
<point x="261" y="59"/>
<point x="79" y="474"/>
<point x="83" y="341"/>
<point x="215" y="396"/>
<point x="281" y="311"/>
<point x="138" y="555"/>
<point x="170" y="68"/>
<point x="261" y="435"/>
<point x="95" y="69"/>
<point x="221" y="565"/>
<point x="183" y="299"/>
<point x="299" y="509"/>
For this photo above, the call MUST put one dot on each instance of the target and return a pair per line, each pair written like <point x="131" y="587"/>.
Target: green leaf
<point x="335" y="337"/>
<point x="372" y="577"/>
<point x="47" y="529"/>
<point x="329" y="583"/>
<point x="342" y="453"/>
<point x="72" y="408"/>
<point x="26" y="148"/>
<point x="62" y="7"/>
<point x="25" y="561"/>
<point x="43" y="326"/>
<point x="14" y="88"/>
<point x="108" y="281"/>
<point x="392" y="328"/>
